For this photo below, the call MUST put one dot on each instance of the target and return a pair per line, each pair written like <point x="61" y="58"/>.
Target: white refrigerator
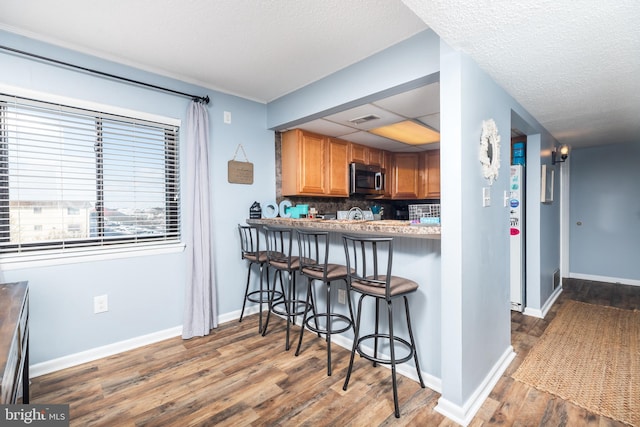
<point x="517" y="236"/>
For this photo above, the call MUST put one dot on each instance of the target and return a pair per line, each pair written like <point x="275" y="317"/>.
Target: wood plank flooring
<point x="236" y="377"/>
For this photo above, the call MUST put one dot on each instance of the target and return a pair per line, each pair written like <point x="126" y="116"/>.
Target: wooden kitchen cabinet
<point x="358" y="154"/>
<point x="405" y="181"/>
<point x="314" y="165"/>
<point x="376" y="157"/>
<point x="430" y="180"/>
<point x="387" y="165"/>
<point x="337" y="172"/>
<point x="365" y="155"/>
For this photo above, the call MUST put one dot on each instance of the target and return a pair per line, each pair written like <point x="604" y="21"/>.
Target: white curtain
<point x="200" y="311"/>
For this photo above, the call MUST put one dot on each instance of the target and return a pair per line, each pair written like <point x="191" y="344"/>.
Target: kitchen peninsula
<point x="416" y="256"/>
<point x="396" y="228"/>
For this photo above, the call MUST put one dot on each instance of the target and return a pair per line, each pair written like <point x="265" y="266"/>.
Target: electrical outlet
<point x="100" y="304"/>
<point x="342" y="296"/>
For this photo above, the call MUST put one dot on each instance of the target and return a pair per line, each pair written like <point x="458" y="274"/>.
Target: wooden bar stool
<point x="369" y="261"/>
<point x="315" y="266"/>
<point x="250" y="250"/>
<point x="280" y="257"/>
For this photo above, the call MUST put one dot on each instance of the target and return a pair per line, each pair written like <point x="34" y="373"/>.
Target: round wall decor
<point x="490" y="150"/>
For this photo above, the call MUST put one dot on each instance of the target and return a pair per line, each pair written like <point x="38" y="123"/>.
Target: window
<point x="75" y="178"/>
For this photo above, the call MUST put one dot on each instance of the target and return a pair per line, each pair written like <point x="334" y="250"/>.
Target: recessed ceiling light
<point x="409" y="132"/>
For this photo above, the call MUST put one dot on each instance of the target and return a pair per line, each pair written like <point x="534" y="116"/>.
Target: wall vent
<point x="364" y="119"/>
<point x="556" y="279"/>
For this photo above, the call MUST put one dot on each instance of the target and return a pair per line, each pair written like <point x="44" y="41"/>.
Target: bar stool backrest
<point x="369" y="261"/>
<point x="313" y="249"/>
<point x="249" y="242"/>
<point x="279" y="246"/>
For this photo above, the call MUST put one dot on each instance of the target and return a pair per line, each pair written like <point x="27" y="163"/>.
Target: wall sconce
<point x="560" y="154"/>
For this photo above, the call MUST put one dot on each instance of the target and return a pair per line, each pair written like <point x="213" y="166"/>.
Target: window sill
<point x="52" y="258"/>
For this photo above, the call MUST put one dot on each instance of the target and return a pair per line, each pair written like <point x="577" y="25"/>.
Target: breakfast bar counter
<point x="416" y="256"/>
<point x="397" y="228"/>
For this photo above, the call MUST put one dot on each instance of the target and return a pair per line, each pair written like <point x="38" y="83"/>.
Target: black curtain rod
<point x="203" y="99"/>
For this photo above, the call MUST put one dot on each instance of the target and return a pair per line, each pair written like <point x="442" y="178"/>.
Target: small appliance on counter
<point x="402" y="213"/>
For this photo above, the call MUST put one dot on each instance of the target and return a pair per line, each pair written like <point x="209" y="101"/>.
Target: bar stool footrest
<point x="299" y="307"/>
<point x="330" y="317"/>
<point x="264" y="296"/>
<point x="386" y="361"/>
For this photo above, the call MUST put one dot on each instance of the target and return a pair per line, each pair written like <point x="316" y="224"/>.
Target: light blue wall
<point x="406" y="65"/>
<point x="475" y="298"/>
<point x="605" y="199"/>
<point x="475" y="248"/>
<point x="145" y="293"/>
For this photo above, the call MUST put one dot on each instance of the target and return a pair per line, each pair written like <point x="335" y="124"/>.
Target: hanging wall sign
<point x="240" y="172"/>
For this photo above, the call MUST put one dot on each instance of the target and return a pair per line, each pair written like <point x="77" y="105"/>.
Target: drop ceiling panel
<point x="416" y="148"/>
<point x="432" y="120"/>
<point x="422" y="101"/>
<point x="325" y="127"/>
<point x="371" y="140"/>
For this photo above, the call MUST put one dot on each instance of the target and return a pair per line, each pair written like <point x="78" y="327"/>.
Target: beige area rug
<point x="589" y="355"/>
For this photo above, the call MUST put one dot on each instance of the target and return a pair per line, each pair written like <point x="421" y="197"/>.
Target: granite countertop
<point x="381" y="227"/>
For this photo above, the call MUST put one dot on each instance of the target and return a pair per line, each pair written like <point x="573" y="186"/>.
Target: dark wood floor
<point x="236" y="377"/>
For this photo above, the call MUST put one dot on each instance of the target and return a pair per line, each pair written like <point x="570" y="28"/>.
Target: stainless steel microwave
<point x="366" y="180"/>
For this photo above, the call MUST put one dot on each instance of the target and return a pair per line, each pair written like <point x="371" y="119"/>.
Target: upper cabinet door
<point x="338" y="170"/>
<point x="430" y="175"/>
<point x="358" y="154"/>
<point x="406" y="176"/>
<point x="433" y="174"/>
<point x="312" y="164"/>
<point x="303" y="162"/>
<point x="376" y="157"/>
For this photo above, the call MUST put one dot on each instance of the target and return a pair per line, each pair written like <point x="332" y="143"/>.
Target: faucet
<point x="356" y="213"/>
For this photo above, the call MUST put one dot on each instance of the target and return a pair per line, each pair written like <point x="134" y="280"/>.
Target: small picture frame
<point x="546" y="184"/>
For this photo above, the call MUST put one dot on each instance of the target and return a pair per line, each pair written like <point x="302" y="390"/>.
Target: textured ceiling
<point x="256" y="49"/>
<point x="574" y="65"/>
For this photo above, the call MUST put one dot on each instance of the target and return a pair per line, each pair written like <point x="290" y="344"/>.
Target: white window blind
<point x="71" y="178"/>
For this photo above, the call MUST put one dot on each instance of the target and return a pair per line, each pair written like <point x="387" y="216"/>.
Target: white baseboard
<point x="542" y="312"/>
<point x="463" y="414"/>
<point x="71" y="360"/>
<point x="99" y="352"/>
<point x="606" y="279"/>
<point x="90" y="355"/>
